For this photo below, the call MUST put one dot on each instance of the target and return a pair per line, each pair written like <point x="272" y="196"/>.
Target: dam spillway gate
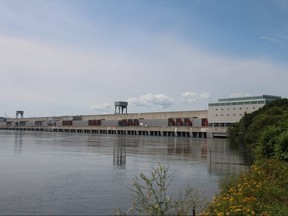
<point x="142" y="131"/>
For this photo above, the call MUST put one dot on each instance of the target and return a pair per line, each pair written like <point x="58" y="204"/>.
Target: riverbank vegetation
<point x="264" y="131"/>
<point x="263" y="190"/>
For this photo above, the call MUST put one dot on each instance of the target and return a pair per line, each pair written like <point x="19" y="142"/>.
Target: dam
<point x="180" y="124"/>
<point x="200" y="123"/>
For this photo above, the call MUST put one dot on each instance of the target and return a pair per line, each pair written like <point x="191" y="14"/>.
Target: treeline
<point x="265" y="131"/>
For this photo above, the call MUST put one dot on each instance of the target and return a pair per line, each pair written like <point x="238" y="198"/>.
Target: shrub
<point x="150" y="196"/>
<point x="281" y="147"/>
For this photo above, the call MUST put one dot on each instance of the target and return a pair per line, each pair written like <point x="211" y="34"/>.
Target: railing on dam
<point x="196" y="132"/>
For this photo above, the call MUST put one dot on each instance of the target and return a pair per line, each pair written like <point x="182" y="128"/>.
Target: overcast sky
<point x="70" y="57"/>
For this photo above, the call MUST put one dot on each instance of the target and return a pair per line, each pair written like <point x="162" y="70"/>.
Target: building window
<point x="227" y="124"/>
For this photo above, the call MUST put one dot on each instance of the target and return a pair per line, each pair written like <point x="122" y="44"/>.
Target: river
<point x="86" y="174"/>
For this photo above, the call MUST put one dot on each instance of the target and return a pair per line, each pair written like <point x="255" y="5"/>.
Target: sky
<point x="77" y="57"/>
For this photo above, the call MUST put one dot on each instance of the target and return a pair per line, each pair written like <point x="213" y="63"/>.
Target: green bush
<point x="264" y="131"/>
<point x="266" y="142"/>
<point x="280" y="149"/>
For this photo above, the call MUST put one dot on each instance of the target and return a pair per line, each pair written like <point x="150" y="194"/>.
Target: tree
<point x="263" y="131"/>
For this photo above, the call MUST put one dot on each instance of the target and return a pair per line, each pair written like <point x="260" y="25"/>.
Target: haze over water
<point x="58" y="173"/>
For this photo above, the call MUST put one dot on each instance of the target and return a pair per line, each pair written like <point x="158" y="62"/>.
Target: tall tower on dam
<point x="120" y="106"/>
<point x="19" y="113"/>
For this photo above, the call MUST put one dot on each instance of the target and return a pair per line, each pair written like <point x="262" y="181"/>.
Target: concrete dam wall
<point x="184" y="124"/>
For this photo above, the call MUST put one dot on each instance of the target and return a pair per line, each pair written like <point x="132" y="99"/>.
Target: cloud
<point x="156" y="100"/>
<point x="102" y="108"/>
<point x="277" y="39"/>
<point x="270" y="39"/>
<point x="43" y="72"/>
<point x="149" y="100"/>
<point x="192" y="97"/>
<point x="49" y="77"/>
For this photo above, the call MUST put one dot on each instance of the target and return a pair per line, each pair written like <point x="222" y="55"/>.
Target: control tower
<point x="120" y="106"/>
<point x="19" y="113"/>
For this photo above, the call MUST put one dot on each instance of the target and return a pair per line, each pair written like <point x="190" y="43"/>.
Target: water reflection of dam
<point x="220" y="156"/>
<point x="224" y="158"/>
<point x="18" y="142"/>
<point x="119" y="153"/>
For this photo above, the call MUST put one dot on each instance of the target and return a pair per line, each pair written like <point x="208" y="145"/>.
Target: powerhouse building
<point x="230" y="110"/>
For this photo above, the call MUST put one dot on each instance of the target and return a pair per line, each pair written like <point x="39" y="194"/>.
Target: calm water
<point x="66" y="174"/>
